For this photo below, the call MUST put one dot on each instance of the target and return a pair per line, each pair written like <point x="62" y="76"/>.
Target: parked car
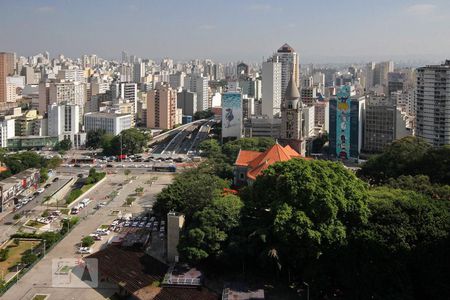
<point x="47" y="185"/>
<point x="96" y="236"/>
<point x="84" y="250"/>
<point x="40" y="190"/>
<point x="55" y="179"/>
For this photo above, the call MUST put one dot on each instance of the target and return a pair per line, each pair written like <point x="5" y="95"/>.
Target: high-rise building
<point x="64" y="123"/>
<point x="7" y="65"/>
<point x="199" y="84"/>
<point x="346" y="124"/>
<point x="433" y="104"/>
<point x="7" y="130"/>
<point x="381" y="71"/>
<point x="383" y="124"/>
<point x="289" y="67"/>
<point x="161" y="107"/>
<point x="64" y="92"/>
<point x="177" y="80"/>
<point x="71" y="75"/>
<point x="138" y="72"/>
<point x="63" y="119"/>
<point x="187" y="101"/>
<point x="271" y="88"/>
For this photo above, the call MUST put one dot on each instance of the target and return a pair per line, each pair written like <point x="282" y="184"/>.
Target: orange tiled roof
<point x="245" y="157"/>
<point x="258" y="162"/>
<point x="3" y="169"/>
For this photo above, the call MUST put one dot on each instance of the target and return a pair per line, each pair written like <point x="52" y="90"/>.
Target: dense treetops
<point x="131" y="141"/>
<point x="409" y="156"/>
<point x="316" y="222"/>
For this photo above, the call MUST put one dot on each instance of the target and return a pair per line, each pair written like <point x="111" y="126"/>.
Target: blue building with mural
<point x="346" y="123"/>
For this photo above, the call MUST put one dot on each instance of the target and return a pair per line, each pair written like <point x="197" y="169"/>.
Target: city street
<point x="39" y="279"/>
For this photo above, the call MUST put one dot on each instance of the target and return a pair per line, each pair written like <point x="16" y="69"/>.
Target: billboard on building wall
<point x="343" y="122"/>
<point x="232" y="114"/>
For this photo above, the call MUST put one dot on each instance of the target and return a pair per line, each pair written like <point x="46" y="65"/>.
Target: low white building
<point x="110" y="122"/>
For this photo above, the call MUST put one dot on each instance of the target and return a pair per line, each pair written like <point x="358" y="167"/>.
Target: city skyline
<point x="230" y="30"/>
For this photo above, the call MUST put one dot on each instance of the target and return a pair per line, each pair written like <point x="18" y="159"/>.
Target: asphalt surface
<point x="40" y="278"/>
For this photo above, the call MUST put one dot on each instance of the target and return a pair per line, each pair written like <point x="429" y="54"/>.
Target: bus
<point x="83" y="160"/>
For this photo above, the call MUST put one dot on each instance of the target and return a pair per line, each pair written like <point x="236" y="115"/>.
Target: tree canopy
<point x="131" y="141"/>
<point x="302" y="208"/>
<point x="208" y="232"/>
<point x="189" y="192"/>
<point x="94" y="138"/>
<point x="402" y="157"/>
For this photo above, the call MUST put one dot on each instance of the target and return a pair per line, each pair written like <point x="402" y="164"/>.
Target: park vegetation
<point x="18" y="162"/>
<point x="131" y="141"/>
<point x="382" y="233"/>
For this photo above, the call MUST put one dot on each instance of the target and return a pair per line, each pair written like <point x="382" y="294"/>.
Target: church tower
<point x="291" y="118"/>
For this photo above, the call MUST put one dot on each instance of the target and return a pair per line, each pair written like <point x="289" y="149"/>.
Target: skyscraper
<point x="289" y="66"/>
<point x="6" y="69"/>
<point x="433" y="104"/>
<point x="271" y="87"/>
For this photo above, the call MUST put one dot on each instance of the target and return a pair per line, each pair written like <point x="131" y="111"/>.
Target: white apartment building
<point x="433" y="104"/>
<point x="7" y="131"/>
<point x="67" y="92"/>
<point x="199" y="84"/>
<point x="71" y="75"/>
<point x="64" y="123"/>
<point x="271" y="88"/>
<point x="110" y="122"/>
<point x="289" y="66"/>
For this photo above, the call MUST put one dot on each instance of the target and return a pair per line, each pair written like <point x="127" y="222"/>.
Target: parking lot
<point x="38" y="280"/>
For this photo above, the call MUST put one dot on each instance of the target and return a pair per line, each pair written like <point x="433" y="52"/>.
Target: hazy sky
<point x="228" y="30"/>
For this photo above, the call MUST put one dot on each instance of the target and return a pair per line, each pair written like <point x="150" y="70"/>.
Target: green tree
<point x="106" y="144"/>
<point x="64" y="145"/>
<point x="436" y="164"/>
<point x="207" y="233"/>
<point x="94" y="138"/>
<point x="190" y="192"/>
<point x="131" y="140"/>
<point x="402" y="157"/>
<point x="421" y="184"/>
<point x="87" y="241"/>
<point x="54" y="162"/>
<point x="400" y="253"/>
<point x="210" y="148"/>
<point x="300" y="209"/>
<point x="43" y="174"/>
<point x="203" y="114"/>
<point x="29" y="258"/>
<point x="231" y="149"/>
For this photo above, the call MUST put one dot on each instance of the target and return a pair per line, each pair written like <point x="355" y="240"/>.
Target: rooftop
<point x="257" y="162"/>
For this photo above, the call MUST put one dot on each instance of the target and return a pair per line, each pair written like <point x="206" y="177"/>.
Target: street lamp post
<point x="307" y="290"/>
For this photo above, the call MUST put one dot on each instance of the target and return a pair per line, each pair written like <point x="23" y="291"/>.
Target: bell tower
<point x="291" y="118"/>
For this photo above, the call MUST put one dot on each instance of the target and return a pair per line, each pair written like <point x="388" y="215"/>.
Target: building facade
<point x="110" y="122"/>
<point x="346" y="124"/>
<point x="161" y="107"/>
<point x="433" y="104"/>
<point x="271" y="88"/>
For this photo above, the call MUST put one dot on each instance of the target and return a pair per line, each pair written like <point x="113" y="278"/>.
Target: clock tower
<point x="291" y="118"/>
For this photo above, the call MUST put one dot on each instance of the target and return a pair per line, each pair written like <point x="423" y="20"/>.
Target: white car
<point x="40" y="190"/>
<point x="84" y="250"/>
